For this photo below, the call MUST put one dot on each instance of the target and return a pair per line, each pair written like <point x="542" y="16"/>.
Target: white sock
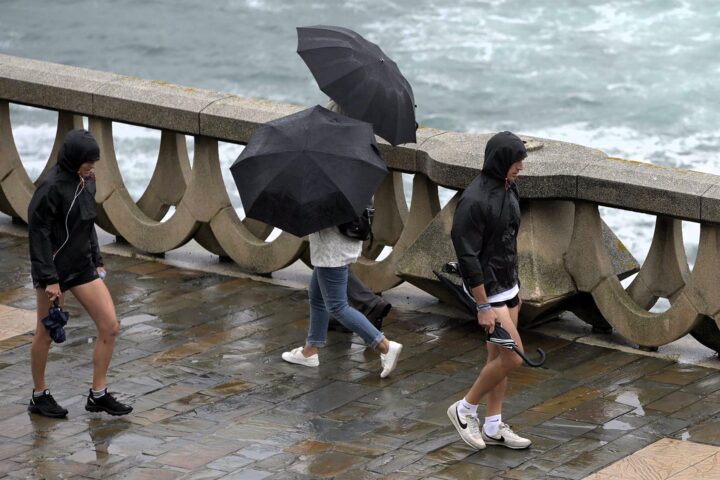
<point x="99" y="393"/>
<point x="492" y="425"/>
<point x="467" y="409"/>
<point x="40" y="393"/>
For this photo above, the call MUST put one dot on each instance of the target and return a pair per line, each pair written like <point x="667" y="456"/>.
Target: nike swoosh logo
<point x="501" y="439"/>
<point x="463" y="425"/>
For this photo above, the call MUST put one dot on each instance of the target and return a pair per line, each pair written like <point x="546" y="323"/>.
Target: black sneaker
<point x="46" y="406"/>
<point x="107" y="403"/>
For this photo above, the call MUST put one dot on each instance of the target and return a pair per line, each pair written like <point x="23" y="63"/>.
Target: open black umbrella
<point x="55" y="322"/>
<point x="502" y="337"/>
<point x="309" y="171"/>
<point x="361" y="79"/>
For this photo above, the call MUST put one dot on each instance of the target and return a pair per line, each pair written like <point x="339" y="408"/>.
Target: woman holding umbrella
<point x="331" y="254"/>
<point x="307" y="173"/>
<point x="65" y="256"/>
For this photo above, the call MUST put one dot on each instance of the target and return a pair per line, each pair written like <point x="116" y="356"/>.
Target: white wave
<point x="446" y="81"/>
<point x="636" y="229"/>
<point x="703" y="37"/>
<point x="264" y="6"/>
<point x="696" y="151"/>
<point x="34" y="144"/>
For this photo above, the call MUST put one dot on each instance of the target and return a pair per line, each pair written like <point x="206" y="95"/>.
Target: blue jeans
<point x="328" y="296"/>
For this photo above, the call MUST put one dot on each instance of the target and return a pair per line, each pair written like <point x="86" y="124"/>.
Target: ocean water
<point x="635" y="78"/>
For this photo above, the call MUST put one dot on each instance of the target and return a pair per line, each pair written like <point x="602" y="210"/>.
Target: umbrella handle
<point x="527" y="360"/>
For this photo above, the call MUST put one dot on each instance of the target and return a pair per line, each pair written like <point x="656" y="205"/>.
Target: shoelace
<point x="507" y="430"/>
<point x="473" y="424"/>
<point x="110" y="399"/>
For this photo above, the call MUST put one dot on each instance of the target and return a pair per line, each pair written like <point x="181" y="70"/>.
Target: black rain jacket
<point x="50" y="209"/>
<point x="487" y="220"/>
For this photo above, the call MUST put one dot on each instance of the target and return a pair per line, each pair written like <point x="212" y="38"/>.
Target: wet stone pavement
<point x="199" y="358"/>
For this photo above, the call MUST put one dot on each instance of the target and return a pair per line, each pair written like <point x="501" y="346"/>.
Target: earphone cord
<point x="78" y="191"/>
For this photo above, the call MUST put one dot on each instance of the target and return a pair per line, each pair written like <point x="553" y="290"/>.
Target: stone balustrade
<point x="567" y="252"/>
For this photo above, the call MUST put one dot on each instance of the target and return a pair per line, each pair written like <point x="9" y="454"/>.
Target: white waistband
<point x="498" y="297"/>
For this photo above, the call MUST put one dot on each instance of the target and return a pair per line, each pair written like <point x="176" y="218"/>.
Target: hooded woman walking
<point x="65" y="256"/>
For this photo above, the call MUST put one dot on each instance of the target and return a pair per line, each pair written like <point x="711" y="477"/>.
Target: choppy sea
<point x="635" y="78"/>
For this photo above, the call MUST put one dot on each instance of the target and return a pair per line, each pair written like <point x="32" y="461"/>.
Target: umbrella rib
<point x="348" y="158"/>
<point x="269" y="154"/>
<point x="349" y="73"/>
<point x="334" y="183"/>
<point x="279" y="173"/>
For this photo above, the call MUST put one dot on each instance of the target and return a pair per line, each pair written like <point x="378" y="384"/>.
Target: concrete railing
<point x="566" y="249"/>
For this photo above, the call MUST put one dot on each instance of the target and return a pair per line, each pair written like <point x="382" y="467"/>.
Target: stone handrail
<point x="564" y="243"/>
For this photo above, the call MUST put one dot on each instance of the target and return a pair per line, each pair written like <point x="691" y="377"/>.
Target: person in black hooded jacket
<point x="65" y="256"/>
<point x="484" y="234"/>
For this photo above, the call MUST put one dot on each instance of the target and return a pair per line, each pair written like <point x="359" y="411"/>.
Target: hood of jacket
<point x="501" y="151"/>
<point x="79" y="146"/>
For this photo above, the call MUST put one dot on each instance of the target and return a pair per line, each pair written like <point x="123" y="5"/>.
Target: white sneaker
<point x="296" y="356"/>
<point x="467" y="426"/>
<point x="507" y="438"/>
<point x="389" y="360"/>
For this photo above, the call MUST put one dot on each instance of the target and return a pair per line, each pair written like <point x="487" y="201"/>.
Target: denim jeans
<point x="328" y="296"/>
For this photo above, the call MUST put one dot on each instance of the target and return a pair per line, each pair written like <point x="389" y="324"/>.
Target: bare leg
<point x="497" y="369"/>
<point x="41" y="341"/>
<point x="96" y="299"/>
<point x="497" y="394"/>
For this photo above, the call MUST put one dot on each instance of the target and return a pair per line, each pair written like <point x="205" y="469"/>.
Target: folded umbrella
<point x="309" y="171"/>
<point x="364" y="81"/>
<point x="55" y="322"/>
<point x="458" y="292"/>
<point x="502" y="337"/>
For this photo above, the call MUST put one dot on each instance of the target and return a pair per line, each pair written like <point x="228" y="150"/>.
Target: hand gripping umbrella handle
<point x="527" y="360"/>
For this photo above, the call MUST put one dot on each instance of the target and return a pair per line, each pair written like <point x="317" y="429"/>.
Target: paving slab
<point x="199" y="358"/>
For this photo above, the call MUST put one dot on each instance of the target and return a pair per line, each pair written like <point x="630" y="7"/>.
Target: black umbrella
<point x="309" y="171"/>
<point x="55" y="322"/>
<point x="361" y="79"/>
<point x="458" y="292"/>
<point x="502" y="337"/>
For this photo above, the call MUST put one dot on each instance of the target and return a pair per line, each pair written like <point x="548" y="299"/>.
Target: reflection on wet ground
<point x="199" y="358"/>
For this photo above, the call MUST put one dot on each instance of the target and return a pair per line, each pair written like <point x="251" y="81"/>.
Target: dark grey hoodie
<point x="57" y="229"/>
<point x="487" y="220"/>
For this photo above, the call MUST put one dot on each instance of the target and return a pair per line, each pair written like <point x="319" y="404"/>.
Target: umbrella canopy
<point x="502" y="337"/>
<point x="361" y="79"/>
<point x="309" y="171"/>
<point x="55" y="322"/>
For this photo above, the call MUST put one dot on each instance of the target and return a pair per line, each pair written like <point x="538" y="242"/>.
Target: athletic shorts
<point x="74" y="280"/>
<point x="513" y="302"/>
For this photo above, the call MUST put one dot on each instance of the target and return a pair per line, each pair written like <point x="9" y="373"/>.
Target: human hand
<point x="486" y="319"/>
<point x="53" y="291"/>
<point x="101" y="272"/>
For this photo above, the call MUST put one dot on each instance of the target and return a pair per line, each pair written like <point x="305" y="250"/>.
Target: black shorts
<point x="513" y="302"/>
<point x="81" y="278"/>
